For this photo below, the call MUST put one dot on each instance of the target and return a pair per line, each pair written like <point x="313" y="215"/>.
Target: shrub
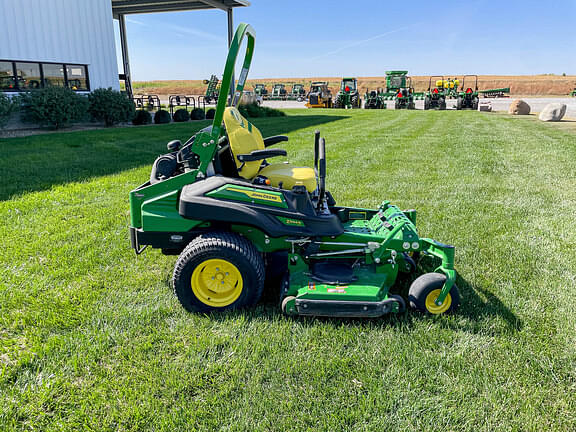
<point x="181" y="115"/>
<point x="197" y="114"/>
<point x="162" y="117"/>
<point x="55" y="106"/>
<point x="210" y="113"/>
<point x="110" y="106"/>
<point x="7" y="107"/>
<point x="142" y="117"/>
<point x="255" y="110"/>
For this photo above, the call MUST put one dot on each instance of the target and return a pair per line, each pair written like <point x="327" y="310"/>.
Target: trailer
<point x="495" y="93"/>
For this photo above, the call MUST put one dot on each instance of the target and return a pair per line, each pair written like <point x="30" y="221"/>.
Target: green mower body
<point x="234" y="231"/>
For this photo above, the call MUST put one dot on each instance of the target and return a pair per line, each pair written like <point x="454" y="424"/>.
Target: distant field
<point x="534" y="85"/>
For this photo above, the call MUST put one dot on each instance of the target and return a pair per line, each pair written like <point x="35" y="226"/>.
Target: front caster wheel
<point x="218" y="271"/>
<point x="425" y="290"/>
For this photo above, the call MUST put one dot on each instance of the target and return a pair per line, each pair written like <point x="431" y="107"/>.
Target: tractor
<point x="278" y="92"/>
<point x="451" y="85"/>
<point x="468" y="96"/>
<point x="261" y="90"/>
<point x="319" y="95"/>
<point x="435" y="97"/>
<point x="405" y="97"/>
<point x="374" y="99"/>
<point x="297" y="93"/>
<point x="236" y="220"/>
<point x="348" y="96"/>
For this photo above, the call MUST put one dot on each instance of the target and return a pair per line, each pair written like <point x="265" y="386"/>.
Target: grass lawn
<point x="92" y="337"/>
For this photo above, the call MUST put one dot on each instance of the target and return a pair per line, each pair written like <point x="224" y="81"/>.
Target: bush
<point x="110" y="106"/>
<point x="162" y="117"/>
<point x="197" y="114"/>
<point x="142" y="117"/>
<point x="255" y="110"/>
<point x="7" y="107"/>
<point x="181" y="115"/>
<point x="55" y="106"/>
<point x="210" y="113"/>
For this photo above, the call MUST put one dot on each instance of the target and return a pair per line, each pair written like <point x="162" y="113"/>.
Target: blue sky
<point x="299" y="38"/>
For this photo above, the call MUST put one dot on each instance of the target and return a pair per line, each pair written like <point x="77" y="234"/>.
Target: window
<point x="7" y="76"/>
<point x="28" y="76"/>
<point x="24" y="76"/>
<point x="77" y="77"/>
<point x="53" y="75"/>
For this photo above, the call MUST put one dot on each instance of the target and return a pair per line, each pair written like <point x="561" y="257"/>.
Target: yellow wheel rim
<point x="431" y="305"/>
<point x="217" y="282"/>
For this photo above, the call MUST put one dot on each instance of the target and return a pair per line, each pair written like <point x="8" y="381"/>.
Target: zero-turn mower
<point x="235" y="219"/>
<point x="435" y="97"/>
<point x="319" y="95"/>
<point x="348" y="96"/>
<point x="405" y="96"/>
<point x="468" y="97"/>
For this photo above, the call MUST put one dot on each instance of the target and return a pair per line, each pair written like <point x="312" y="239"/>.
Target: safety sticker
<point x="340" y="290"/>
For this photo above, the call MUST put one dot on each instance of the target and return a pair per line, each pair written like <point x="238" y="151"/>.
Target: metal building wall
<point x="67" y="31"/>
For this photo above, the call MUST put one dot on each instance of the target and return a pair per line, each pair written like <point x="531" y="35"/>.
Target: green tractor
<point x="468" y="96"/>
<point x="348" y="96"/>
<point x="261" y="90"/>
<point x="236" y="220"/>
<point x="435" y="97"/>
<point x="297" y="93"/>
<point x="405" y="96"/>
<point x="278" y="92"/>
<point x="374" y="99"/>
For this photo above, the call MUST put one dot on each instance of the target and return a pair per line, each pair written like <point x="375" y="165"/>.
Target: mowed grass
<point x="92" y="337"/>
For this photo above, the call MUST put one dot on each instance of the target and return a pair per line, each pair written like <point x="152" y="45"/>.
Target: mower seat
<point x="245" y="138"/>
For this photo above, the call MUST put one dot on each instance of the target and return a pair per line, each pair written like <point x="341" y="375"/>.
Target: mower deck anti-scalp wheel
<point x="218" y="271"/>
<point x="425" y="290"/>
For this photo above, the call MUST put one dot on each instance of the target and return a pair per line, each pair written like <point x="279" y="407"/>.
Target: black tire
<point x="426" y="103"/>
<point x="475" y="104"/>
<point x="410" y="265"/>
<point x="396" y="104"/>
<point x="426" y="284"/>
<point x="459" y="103"/>
<point x="232" y="248"/>
<point x="354" y="101"/>
<point x="442" y="104"/>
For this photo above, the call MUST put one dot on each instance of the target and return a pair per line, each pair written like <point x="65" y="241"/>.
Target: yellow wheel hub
<point x="217" y="282"/>
<point x="431" y="305"/>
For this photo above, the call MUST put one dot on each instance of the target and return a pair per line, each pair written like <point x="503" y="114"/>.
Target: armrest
<point x="257" y="155"/>
<point x="274" y="140"/>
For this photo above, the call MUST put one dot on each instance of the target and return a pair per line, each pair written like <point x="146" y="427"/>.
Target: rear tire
<point x="217" y="272"/>
<point x="426" y="103"/>
<point x="459" y="103"/>
<point x="424" y="291"/>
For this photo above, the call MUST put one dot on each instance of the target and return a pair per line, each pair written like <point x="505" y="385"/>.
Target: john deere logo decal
<point x="257" y="195"/>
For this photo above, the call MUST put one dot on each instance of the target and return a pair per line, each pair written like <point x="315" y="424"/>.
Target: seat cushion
<point x="290" y="176"/>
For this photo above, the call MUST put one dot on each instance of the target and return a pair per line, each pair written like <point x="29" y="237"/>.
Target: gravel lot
<point x="498" y="104"/>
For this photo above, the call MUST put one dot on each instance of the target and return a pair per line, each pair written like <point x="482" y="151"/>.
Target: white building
<point x="71" y="42"/>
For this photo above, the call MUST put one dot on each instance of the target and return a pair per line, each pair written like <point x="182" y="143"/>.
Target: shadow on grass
<point x="38" y="162"/>
<point x="479" y="308"/>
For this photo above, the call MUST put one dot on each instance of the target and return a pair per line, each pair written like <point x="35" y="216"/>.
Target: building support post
<point x="230" y="16"/>
<point x="125" y="59"/>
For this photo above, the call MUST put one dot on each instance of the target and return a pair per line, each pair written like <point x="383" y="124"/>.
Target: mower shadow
<point x="38" y="162"/>
<point x="476" y="314"/>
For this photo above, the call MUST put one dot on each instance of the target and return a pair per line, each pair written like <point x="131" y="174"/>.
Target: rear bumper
<point x="171" y="241"/>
